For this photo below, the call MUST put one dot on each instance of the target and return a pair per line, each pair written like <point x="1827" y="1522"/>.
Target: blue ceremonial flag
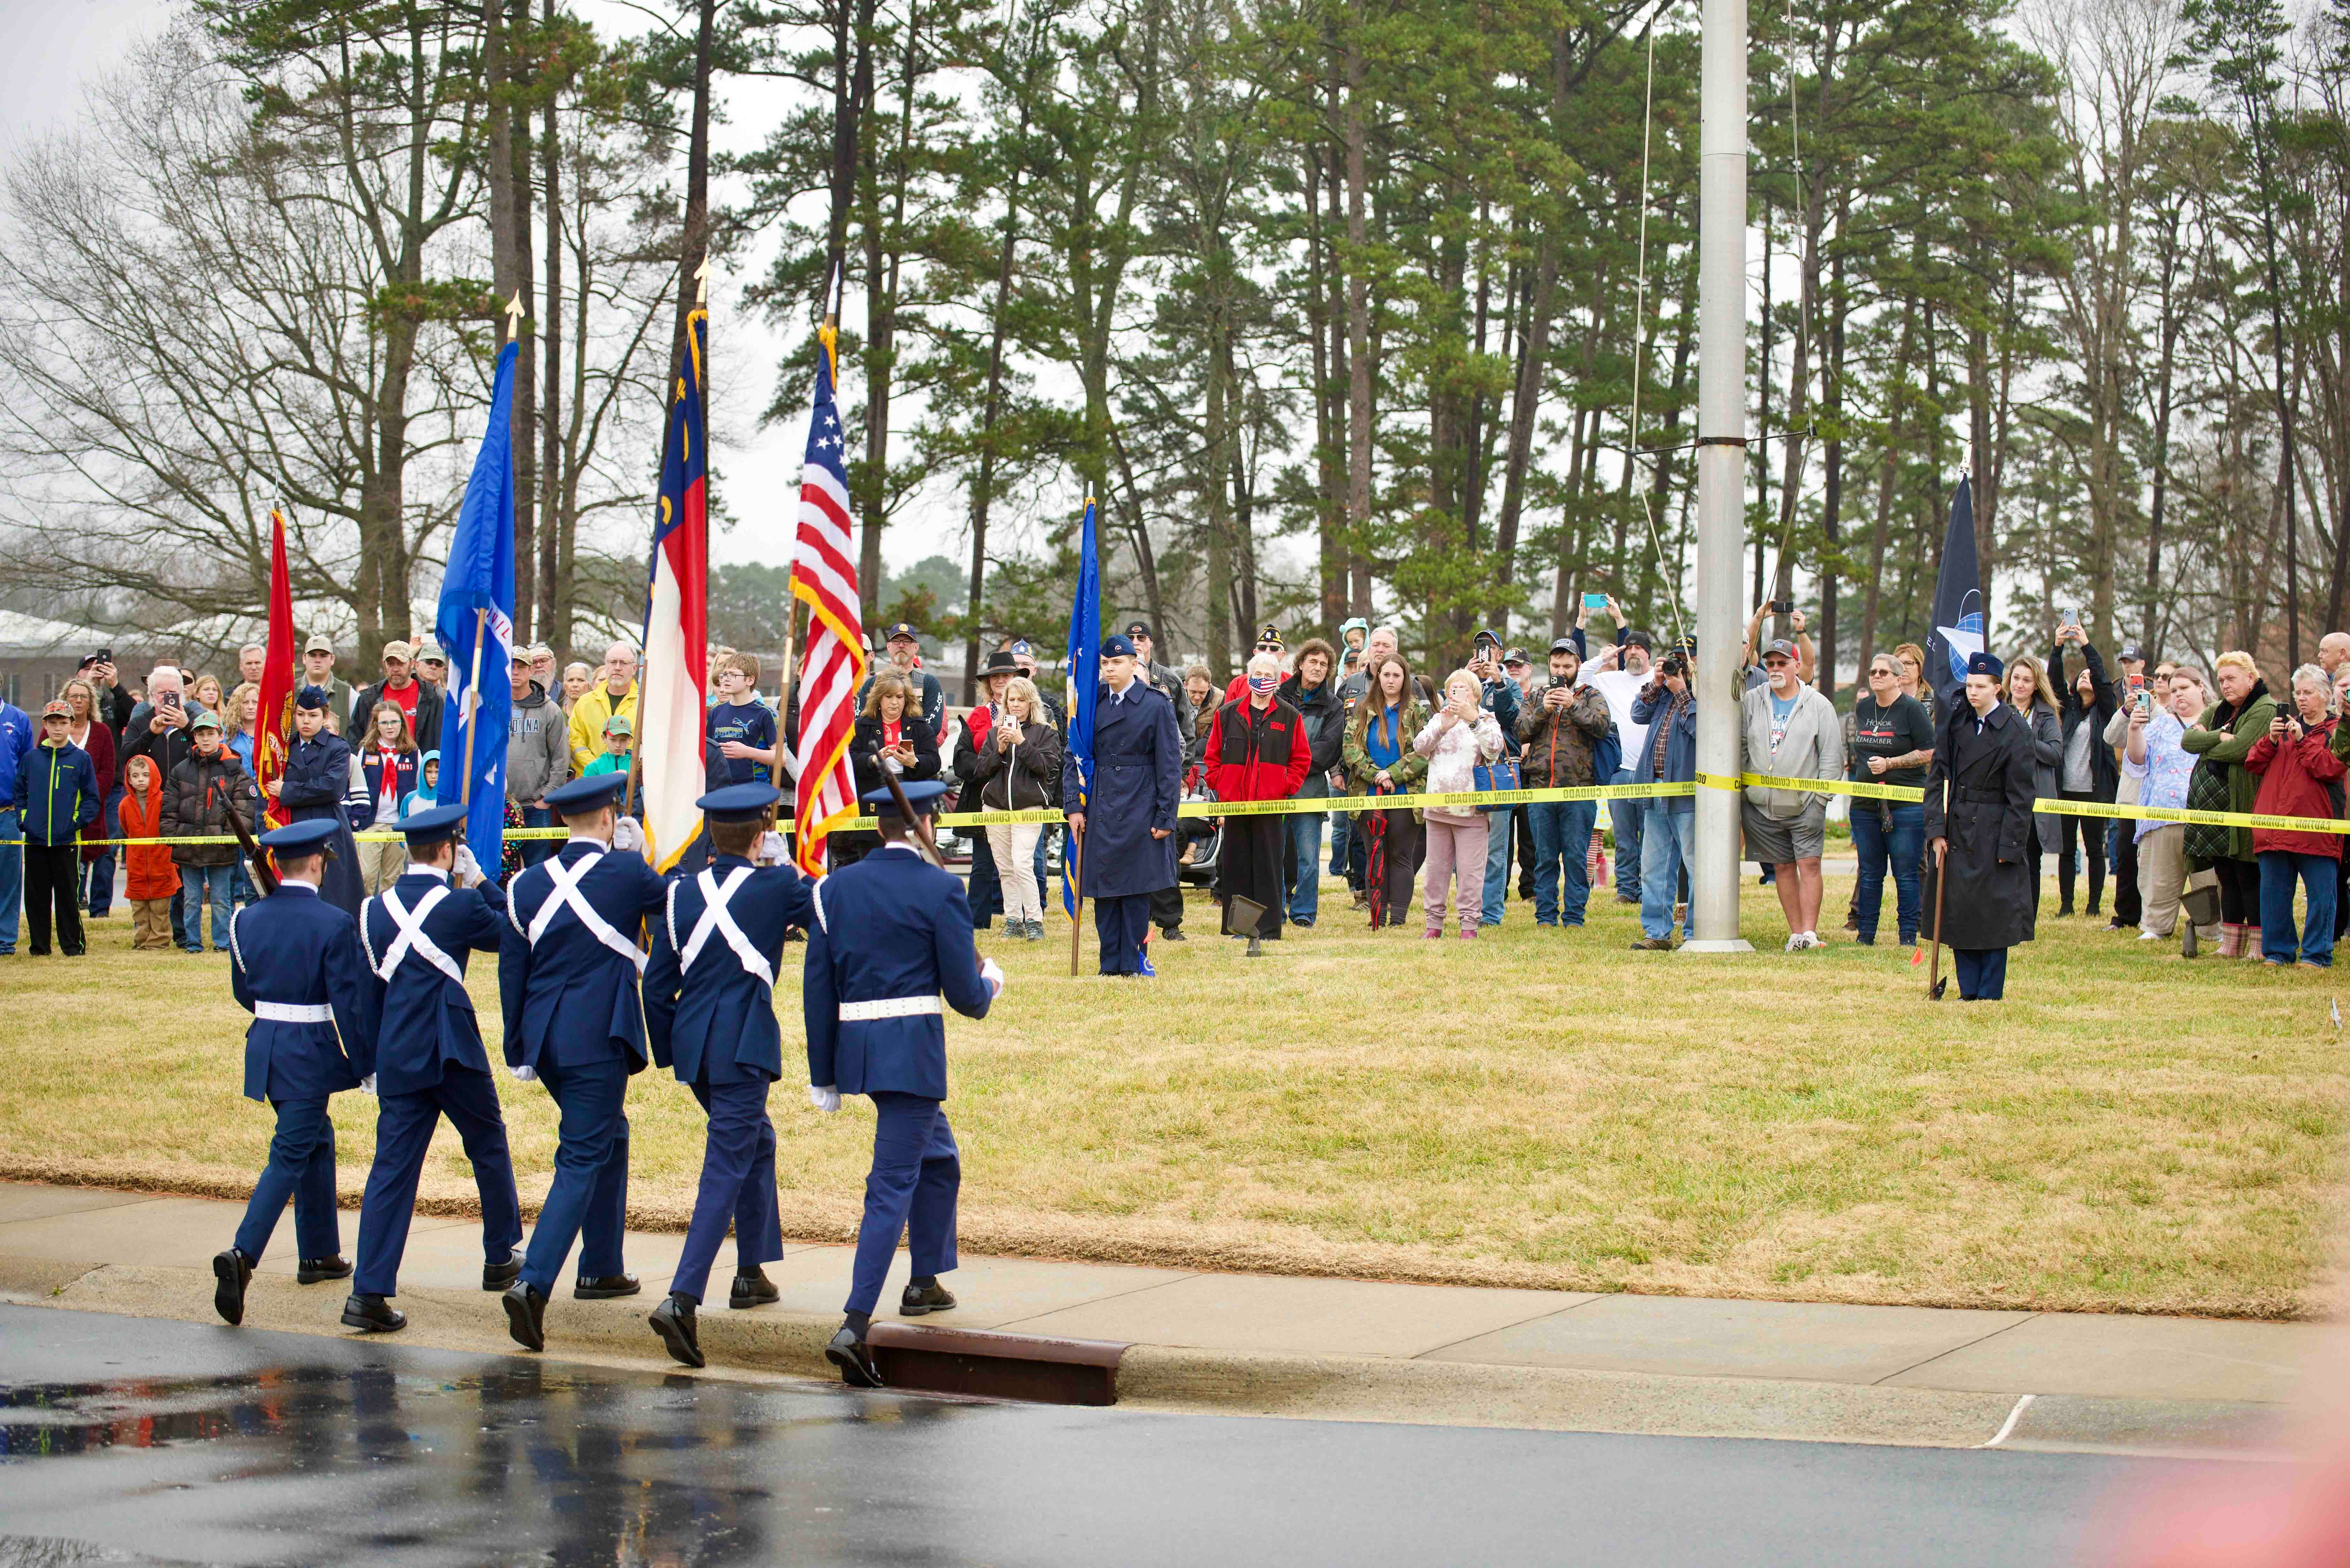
<point x="1085" y="680"/>
<point x="477" y="599"/>
<point x="1958" y="626"/>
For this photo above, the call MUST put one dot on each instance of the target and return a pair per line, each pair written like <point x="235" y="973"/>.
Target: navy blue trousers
<point x="1121" y="924"/>
<point x="404" y="1124"/>
<point x="1982" y="973"/>
<point x="917" y="1171"/>
<point x="588" y="1202"/>
<point x="738" y="1184"/>
<point x="301" y="1167"/>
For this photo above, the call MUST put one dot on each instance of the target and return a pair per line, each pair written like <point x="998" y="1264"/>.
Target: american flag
<point x="824" y="574"/>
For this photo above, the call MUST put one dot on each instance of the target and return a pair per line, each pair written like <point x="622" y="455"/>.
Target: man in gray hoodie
<point x="539" y="756"/>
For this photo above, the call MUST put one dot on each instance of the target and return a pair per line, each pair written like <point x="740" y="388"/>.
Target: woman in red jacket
<point x="1257" y="750"/>
<point x="2300" y="775"/>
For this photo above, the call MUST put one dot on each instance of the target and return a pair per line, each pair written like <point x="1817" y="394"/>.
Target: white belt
<point x="889" y="1007"/>
<point x="293" y="1012"/>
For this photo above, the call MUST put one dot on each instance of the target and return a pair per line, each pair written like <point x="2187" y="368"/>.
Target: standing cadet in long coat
<point x="295" y="964"/>
<point x="1978" y="832"/>
<point x="1127" y="817"/>
<point x="429" y="1060"/>
<point x="569" y="966"/>
<point x="709" y="1013"/>
<point x="317" y="776"/>
<point x="893" y="932"/>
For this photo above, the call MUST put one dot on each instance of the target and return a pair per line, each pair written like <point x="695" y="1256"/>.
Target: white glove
<point x="524" y="1074"/>
<point x="628" y="837"/>
<point x="366" y="1084"/>
<point x="992" y="972"/>
<point x="469" y="870"/>
<point x="773" y="850"/>
<point x="892" y="763"/>
<point x="825" y="1098"/>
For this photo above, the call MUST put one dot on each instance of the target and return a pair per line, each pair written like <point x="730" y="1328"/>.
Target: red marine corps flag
<point x="824" y="574"/>
<point x="274" y="715"/>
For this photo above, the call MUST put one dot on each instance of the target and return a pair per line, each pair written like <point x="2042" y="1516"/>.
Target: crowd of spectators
<point x="173" y="757"/>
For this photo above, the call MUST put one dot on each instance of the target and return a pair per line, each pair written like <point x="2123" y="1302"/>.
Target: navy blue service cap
<point x="582" y="796"/>
<point x="922" y="795"/>
<point x="434" y="824"/>
<point x="1118" y="647"/>
<point x="1986" y="664"/>
<point x="300" y="838"/>
<point x="741" y="803"/>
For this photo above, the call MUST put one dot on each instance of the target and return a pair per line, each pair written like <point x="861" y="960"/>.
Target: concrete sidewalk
<point x="1323" y="1346"/>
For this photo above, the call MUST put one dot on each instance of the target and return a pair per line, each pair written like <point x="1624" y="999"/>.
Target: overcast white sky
<point x="53" y="48"/>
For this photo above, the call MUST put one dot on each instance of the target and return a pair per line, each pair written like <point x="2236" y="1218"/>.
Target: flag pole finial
<point x="702" y="282"/>
<point x="514" y="316"/>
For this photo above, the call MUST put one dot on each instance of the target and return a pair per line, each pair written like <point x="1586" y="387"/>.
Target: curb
<point x="1174" y="1379"/>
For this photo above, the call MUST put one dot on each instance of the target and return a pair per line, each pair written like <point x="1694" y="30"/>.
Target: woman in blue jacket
<point x="317" y="776"/>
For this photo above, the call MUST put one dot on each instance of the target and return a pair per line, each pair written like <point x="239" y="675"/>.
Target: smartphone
<point x="1783" y="607"/>
<point x="1594" y="601"/>
<point x="2068" y="619"/>
<point x="1555" y="682"/>
<point x="2144" y="699"/>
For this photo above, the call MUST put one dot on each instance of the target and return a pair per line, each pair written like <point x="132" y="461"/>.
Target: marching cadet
<point x="295" y="964"/>
<point x="567" y="970"/>
<point x="1978" y="831"/>
<point x="891" y="932"/>
<point x="418" y="934"/>
<point x="709" y="1010"/>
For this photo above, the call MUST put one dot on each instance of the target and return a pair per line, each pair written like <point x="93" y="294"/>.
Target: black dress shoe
<point x="1174" y="934"/>
<point x="314" y="1270"/>
<point x="604" y="1287"/>
<point x="673" y="1320"/>
<point x="525" y="1315"/>
<point x="498" y="1276"/>
<point x="752" y="1289"/>
<point x="233" y="1269"/>
<point x="920" y="1300"/>
<point x="855" y="1360"/>
<point x="372" y="1314"/>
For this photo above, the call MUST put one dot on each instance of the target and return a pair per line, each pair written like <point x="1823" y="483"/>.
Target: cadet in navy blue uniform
<point x="429" y="1061"/>
<point x="317" y="776"/>
<point x="295" y="964"/>
<point x="891" y="932"/>
<point x="1127" y="817"/>
<point x="710" y="1010"/>
<point x="569" y="966"/>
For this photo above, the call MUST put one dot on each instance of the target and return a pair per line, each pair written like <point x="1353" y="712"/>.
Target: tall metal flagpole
<point x="1720" y="468"/>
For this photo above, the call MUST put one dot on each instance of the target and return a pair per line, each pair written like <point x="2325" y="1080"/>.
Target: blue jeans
<point x="1562" y="835"/>
<point x="1304" y="831"/>
<point x="1497" y="865"/>
<point x="1665" y="838"/>
<point x="2279" y="870"/>
<point x="198" y="883"/>
<point x="1338" y="835"/>
<point x="98" y="897"/>
<point x="534" y="850"/>
<point x="1625" y="814"/>
<point x="1905" y="846"/>
<point x="12" y="880"/>
<point x="1043" y="839"/>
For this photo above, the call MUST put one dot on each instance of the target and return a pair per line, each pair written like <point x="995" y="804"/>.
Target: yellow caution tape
<point x="2045" y="806"/>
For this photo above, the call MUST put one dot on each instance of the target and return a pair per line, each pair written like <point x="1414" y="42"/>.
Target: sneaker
<point x="1467" y="933"/>
<point x="1434" y="934"/>
<point x="1794" y="942"/>
<point x="2152" y="937"/>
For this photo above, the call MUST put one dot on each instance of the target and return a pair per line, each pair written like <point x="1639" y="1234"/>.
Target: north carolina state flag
<point x="670" y="713"/>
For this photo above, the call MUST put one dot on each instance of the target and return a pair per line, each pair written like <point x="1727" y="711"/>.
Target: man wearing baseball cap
<point x="57" y="797"/>
<point x="906" y="652"/>
<point x="319" y="669"/>
<point x="418" y="699"/>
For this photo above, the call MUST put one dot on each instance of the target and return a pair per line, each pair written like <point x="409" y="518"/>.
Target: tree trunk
<point x="1358" y="319"/>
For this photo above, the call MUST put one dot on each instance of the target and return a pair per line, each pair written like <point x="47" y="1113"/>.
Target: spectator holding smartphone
<point x="2154" y="756"/>
<point x="1668" y="755"/>
<point x="1892" y="742"/>
<point x="1559" y="733"/>
<point x="2300" y="777"/>
<point x="1461" y="736"/>
<point x="892" y="733"/>
<point x="2222" y="742"/>
<point x="2087" y="771"/>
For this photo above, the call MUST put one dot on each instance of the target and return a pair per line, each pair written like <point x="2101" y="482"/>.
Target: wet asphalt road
<point x="139" y="1441"/>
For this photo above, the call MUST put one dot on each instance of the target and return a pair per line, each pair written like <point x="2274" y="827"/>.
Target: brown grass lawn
<point x="2129" y="1131"/>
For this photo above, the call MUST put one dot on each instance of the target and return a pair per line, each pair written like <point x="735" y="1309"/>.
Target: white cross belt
<point x="716" y="920"/>
<point x="565" y="895"/>
<point x="411" y="937"/>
